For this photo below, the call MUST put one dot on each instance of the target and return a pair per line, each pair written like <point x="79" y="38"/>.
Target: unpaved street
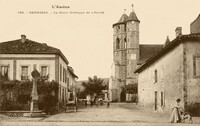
<point x="119" y="114"/>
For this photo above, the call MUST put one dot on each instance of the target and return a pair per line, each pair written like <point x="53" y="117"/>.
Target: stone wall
<point x="193" y="79"/>
<point x="169" y="83"/>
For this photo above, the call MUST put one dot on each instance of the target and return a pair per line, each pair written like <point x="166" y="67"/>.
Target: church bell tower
<point x="125" y="52"/>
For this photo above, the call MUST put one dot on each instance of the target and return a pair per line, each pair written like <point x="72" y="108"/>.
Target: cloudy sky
<point x="86" y="38"/>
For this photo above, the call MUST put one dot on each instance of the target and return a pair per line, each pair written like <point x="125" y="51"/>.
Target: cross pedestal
<point x="34" y="110"/>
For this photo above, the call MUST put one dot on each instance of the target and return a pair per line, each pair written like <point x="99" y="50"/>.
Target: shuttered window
<point x="196" y="63"/>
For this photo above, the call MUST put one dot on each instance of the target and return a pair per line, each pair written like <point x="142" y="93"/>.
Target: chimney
<point x="167" y="41"/>
<point x="23" y="38"/>
<point x="178" y="31"/>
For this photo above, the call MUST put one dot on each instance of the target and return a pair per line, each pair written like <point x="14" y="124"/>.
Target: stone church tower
<point x="125" y="54"/>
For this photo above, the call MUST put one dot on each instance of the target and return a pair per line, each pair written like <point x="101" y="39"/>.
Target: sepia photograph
<point x="99" y="62"/>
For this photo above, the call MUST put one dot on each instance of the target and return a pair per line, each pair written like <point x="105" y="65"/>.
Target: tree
<point x="130" y="88"/>
<point x="94" y="86"/>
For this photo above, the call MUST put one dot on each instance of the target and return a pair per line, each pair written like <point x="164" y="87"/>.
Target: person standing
<point x="85" y="103"/>
<point x="91" y="103"/>
<point x="96" y="102"/>
<point x="108" y="103"/>
<point x="176" y="112"/>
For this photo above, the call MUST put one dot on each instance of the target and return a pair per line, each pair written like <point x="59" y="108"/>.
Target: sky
<point x="86" y="38"/>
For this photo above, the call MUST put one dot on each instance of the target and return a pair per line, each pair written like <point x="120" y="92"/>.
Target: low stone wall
<point x="23" y="113"/>
<point x="14" y="113"/>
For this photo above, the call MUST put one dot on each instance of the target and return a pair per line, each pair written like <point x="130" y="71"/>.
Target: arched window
<point x="125" y="43"/>
<point x="117" y="43"/>
<point x="117" y="28"/>
<point x="125" y="28"/>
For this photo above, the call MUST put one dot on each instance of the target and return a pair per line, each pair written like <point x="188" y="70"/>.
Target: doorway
<point x="123" y="96"/>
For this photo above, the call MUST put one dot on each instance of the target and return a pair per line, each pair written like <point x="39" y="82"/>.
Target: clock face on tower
<point x="132" y="22"/>
<point x="133" y="56"/>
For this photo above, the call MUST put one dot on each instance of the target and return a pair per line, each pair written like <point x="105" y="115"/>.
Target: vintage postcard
<point x="99" y="62"/>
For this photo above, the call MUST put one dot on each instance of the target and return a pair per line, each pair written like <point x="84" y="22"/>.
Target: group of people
<point x="178" y="113"/>
<point x="97" y="102"/>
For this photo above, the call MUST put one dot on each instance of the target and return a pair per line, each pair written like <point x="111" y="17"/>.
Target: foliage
<point x="46" y="87"/>
<point x="25" y="86"/>
<point x="21" y="91"/>
<point x="94" y="86"/>
<point x="81" y="94"/>
<point x="47" y="103"/>
<point x="9" y="105"/>
<point x="3" y="78"/>
<point x="130" y="88"/>
<point x="23" y="98"/>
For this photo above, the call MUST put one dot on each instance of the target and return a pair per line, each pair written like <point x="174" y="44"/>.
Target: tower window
<point x="118" y="27"/>
<point x="125" y="43"/>
<point x="117" y="43"/>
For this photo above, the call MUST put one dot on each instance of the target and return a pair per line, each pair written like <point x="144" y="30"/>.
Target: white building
<point x="17" y="58"/>
<point x="71" y="77"/>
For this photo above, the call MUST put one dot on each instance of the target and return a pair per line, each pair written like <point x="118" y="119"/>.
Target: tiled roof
<point x="167" y="48"/>
<point x="123" y="18"/>
<point x="28" y="47"/>
<point x="133" y="17"/>
<point x="195" y="20"/>
<point x="16" y="46"/>
<point x="147" y="50"/>
<point x="71" y="70"/>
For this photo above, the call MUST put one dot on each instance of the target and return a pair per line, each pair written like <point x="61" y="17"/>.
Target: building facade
<point x="71" y="79"/>
<point x="18" y="57"/>
<point x="128" y="54"/>
<point x="173" y="73"/>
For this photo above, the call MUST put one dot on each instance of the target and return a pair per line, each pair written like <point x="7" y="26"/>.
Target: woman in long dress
<point x="176" y="112"/>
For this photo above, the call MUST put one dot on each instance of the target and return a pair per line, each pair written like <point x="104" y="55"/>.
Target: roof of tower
<point x="122" y="20"/>
<point x="133" y="17"/>
<point x="195" y="20"/>
<point x="195" y="26"/>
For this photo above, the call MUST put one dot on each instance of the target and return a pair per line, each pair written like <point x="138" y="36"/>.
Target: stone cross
<point x="34" y="94"/>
